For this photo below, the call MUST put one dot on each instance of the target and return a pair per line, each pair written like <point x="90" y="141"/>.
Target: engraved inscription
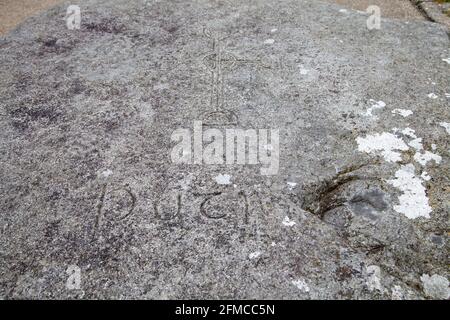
<point x="115" y="205"/>
<point x="218" y="62"/>
<point x="219" y="205"/>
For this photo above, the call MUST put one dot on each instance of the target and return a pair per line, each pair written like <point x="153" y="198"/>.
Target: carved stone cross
<point x="219" y="62"/>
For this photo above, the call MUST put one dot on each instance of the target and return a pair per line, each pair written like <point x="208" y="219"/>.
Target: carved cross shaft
<point x="218" y="62"/>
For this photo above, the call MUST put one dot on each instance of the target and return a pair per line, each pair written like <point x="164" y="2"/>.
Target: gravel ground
<point x="12" y="12"/>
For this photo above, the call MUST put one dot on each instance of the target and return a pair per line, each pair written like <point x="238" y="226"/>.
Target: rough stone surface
<point x="87" y="180"/>
<point x="396" y="9"/>
<point x="437" y="12"/>
<point x="436" y="286"/>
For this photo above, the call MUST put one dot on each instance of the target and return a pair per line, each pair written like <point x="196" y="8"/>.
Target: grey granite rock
<point x="88" y="187"/>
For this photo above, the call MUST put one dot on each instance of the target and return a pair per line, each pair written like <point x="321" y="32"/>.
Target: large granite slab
<point x="358" y="207"/>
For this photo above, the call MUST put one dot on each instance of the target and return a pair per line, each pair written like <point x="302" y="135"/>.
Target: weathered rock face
<point x="359" y="205"/>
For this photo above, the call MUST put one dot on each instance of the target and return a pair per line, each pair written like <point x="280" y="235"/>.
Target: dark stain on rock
<point x="51" y="42"/>
<point x="368" y="203"/>
<point x="22" y="117"/>
<point x="52" y="229"/>
<point x="437" y="239"/>
<point x="343" y="273"/>
<point x="54" y="45"/>
<point x="106" y="26"/>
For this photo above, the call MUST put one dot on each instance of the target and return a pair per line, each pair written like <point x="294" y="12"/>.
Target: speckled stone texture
<point x="87" y="179"/>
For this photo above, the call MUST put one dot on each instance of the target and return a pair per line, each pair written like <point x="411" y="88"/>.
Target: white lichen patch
<point x="397" y="293"/>
<point x="436" y="286"/>
<point x="107" y="173"/>
<point x="425" y="157"/>
<point x="416" y="144"/>
<point x="301" y="285"/>
<point x="385" y="143"/>
<point x="403" y="112"/>
<point x="291" y="185"/>
<point x="223" y="179"/>
<point x="254" y="255"/>
<point x="269" y="41"/>
<point x="376" y="105"/>
<point x="374" y="278"/>
<point x="413" y="203"/>
<point x="288" y="222"/>
<point x="409" y="133"/>
<point x="303" y="71"/>
<point x="425" y="176"/>
<point x="433" y="96"/>
<point x="446" y="126"/>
